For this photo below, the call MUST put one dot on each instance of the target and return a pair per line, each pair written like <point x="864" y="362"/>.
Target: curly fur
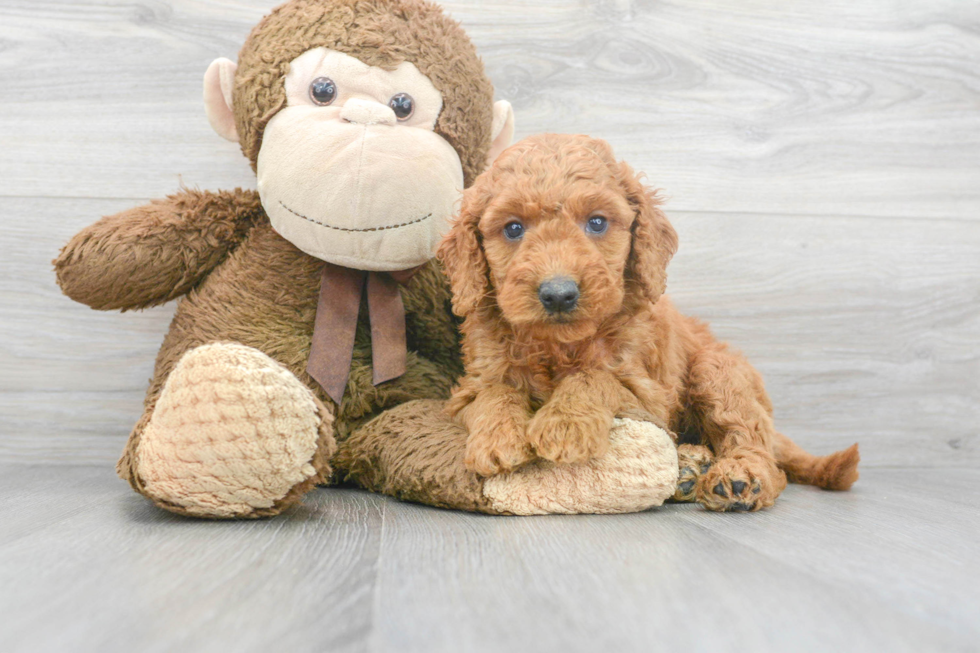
<point x="236" y="278"/>
<point x="380" y="33"/>
<point x="538" y="384"/>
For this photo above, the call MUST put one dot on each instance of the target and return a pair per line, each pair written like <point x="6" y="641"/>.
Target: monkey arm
<point x="151" y="254"/>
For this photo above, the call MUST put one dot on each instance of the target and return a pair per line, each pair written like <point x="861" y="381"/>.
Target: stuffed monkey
<point x="314" y="339"/>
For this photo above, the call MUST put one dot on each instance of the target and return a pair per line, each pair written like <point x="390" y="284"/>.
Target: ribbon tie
<point x="332" y="348"/>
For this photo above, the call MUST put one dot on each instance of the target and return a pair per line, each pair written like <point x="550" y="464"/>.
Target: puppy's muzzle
<point x="558" y="295"/>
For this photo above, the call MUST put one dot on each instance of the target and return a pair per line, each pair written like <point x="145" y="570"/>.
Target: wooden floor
<point x="821" y="163"/>
<point x="86" y="565"/>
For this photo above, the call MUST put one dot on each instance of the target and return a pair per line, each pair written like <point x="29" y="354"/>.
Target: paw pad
<point x="232" y="432"/>
<point x="743" y="482"/>
<point x="694" y="461"/>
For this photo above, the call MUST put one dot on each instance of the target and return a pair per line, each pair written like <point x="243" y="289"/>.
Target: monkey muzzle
<point x="371" y="197"/>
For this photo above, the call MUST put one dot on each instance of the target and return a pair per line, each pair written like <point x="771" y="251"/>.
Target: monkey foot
<point x="638" y="471"/>
<point x="233" y="434"/>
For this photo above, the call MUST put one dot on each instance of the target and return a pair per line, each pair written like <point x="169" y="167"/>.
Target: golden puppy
<point x="558" y="264"/>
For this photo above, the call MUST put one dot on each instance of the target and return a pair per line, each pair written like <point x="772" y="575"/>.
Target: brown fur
<point x="549" y="386"/>
<point x="240" y="280"/>
<point x="152" y="254"/>
<point x="380" y="33"/>
<point x="412" y="452"/>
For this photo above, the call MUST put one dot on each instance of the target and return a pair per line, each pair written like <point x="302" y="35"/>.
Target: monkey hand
<point x="151" y="254"/>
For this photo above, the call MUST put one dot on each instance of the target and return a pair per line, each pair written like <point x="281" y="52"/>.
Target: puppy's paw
<point x="741" y="481"/>
<point x="693" y="460"/>
<point x="569" y="438"/>
<point x="497" y="449"/>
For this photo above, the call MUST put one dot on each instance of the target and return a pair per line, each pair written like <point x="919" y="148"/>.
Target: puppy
<point x="557" y="263"/>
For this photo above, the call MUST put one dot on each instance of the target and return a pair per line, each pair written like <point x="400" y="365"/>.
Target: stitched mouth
<point x="330" y="226"/>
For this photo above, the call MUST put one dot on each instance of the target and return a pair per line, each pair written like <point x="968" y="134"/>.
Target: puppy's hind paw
<point x="744" y="482"/>
<point x="693" y="460"/>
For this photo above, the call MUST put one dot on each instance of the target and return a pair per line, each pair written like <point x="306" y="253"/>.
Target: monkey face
<point x="350" y="169"/>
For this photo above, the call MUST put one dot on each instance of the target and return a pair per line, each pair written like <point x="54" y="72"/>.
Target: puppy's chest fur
<point x="541" y="366"/>
<point x="537" y="366"/>
<point x="639" y="347"/>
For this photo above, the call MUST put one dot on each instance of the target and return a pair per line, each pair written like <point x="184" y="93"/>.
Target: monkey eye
<point x="403" y="105"/>
<point x="513" y="230"/>
<point x="323" y="91"/>
<point x="596" y="225"/>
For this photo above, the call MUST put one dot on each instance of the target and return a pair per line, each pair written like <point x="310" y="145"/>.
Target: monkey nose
<point x="366" y="112"/>
<point x="558" y="294"/>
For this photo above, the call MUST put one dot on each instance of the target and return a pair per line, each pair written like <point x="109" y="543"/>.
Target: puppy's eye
<point x="323" y="91"/>
<point x="514" y="231"/>
<point x="403" y="105"/>
<point x="596" y="225"/>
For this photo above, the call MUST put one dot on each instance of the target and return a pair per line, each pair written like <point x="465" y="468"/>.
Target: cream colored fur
<point x="232" y="432"/>
<point x="401" y="181"/>
<point x="502" y="129"/>
<point x="639" y="471"/>
<point x="218" y="83"/>
<point x="355" y="79"/>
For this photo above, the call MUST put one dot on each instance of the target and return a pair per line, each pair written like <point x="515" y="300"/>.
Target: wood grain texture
<point x="86" y="565"/>
<point x="858" y="108"/>
<point x="106" y="571"/>
<point x="865" y="330"/>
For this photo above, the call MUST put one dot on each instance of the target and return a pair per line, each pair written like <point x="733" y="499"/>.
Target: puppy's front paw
<point x="496" y="449"/>
<point x="569" y="438"/>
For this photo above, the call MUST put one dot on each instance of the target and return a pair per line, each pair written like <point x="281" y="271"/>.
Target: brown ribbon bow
<point x="332" y="348"/>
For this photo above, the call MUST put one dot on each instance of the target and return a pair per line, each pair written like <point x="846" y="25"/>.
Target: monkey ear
<point x="502" y="132"/>
<point x="654" y="239"/>
<point x="219" y="80"/>
<point x="462" y="257"/>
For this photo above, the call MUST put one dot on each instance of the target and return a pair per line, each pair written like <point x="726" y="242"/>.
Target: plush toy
<point x="314" y="340"/>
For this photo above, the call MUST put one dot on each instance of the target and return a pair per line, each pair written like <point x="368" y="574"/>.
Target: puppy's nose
<point x="558" y="294"/>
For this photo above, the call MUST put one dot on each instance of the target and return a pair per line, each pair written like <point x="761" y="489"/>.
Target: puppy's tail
<point x="838" y="471"/>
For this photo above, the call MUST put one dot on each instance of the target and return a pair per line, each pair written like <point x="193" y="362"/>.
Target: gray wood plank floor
<point x="86" y="565"/>
<point x="821" y="163"/>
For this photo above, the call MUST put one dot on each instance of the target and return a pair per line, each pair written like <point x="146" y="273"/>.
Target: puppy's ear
<point x="461" y="253"/>
<point x="654" y="239"/>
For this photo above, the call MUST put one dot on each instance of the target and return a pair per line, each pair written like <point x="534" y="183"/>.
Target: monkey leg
<point x="233" y="434"/>
<point x="415" y="453"/>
